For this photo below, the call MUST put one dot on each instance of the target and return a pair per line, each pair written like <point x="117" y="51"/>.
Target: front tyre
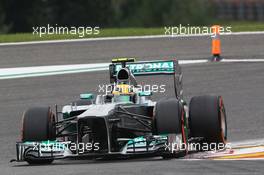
<point x="38" y="124"/>
<point x="169" y="116"/>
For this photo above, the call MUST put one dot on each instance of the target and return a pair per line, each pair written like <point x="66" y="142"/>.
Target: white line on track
<point x="22" y="72"/>
<point x="242" y="60"/>
<point x="123" y="38"/>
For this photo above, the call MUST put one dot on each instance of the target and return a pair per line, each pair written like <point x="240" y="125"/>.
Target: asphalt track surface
<point x="240" y="84"/>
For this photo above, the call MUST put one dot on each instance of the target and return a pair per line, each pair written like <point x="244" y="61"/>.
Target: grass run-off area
<point x="21" y="37"/>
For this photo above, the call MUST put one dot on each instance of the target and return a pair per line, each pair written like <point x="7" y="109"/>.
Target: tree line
<point x="21" y="15"/>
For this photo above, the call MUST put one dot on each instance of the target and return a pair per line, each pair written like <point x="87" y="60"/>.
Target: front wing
<point x="138" y="147"/>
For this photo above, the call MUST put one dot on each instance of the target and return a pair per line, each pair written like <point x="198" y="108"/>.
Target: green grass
<point x="243" y="26"/>
<point x="20" y="37"/>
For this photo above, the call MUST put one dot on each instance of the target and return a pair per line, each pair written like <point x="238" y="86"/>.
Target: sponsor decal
<point x="149" y="67"/>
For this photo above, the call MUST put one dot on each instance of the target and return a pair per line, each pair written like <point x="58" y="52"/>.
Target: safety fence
<point x="239" y="9"/>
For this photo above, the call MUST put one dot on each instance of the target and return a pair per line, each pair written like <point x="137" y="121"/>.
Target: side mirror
<point x="86" y="96"/>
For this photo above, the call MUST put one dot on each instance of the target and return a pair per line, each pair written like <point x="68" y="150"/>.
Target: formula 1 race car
<point x="124" y="123"/>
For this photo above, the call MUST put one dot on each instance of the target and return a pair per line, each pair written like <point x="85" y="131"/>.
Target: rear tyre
<point x="38" y="125"/>
<point x="168" y="119"/>
<point x="208" y="119"/>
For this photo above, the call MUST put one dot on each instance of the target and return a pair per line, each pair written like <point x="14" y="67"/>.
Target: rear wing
<point x="143" y="68"/>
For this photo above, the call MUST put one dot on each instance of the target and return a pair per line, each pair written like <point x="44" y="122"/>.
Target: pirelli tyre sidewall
<point x="207" y="118"/>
